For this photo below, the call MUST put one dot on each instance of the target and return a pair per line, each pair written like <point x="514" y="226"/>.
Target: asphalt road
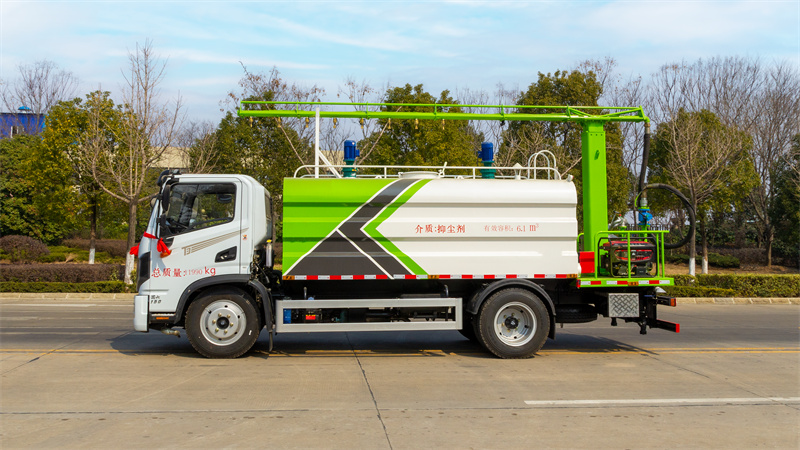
<point x="74" y="375"/>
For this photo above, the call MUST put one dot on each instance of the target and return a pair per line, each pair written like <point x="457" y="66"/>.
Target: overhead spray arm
<point x="441" y="111"/>
<point x="592" y="120"/>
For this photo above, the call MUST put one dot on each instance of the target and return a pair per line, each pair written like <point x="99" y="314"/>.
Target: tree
<point x="617" y="91"/>
<point x="785" y="208"/>
<point x="148" y="128"/>
<point x="271" y="87"/>
<point x="197" y="144"/>
<point x="40" y="86"/>
<point x="697" y="153"/>
<point x="260" y="149"/>
<point x="776" y="119"/>
<point x="36" y="194"/>
<point x="422" y="142"/>
<point x="73" y="129"/>
<point x="522" y="139"/>
<point x="493" y="130"/>
<point x="745" y="94"/>
<point x="725" y="86"/>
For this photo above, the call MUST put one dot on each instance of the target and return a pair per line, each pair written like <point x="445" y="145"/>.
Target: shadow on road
<point x="379" y="343"/>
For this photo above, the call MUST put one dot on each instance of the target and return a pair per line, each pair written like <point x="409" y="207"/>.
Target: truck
<point x="493" y="252"/>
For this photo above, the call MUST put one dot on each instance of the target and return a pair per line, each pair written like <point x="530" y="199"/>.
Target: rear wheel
<point x="222" y="324"/>
<point x="513" y="323"/>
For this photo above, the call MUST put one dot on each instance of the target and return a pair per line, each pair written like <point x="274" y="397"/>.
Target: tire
<point x="513" y="324"/>
<point x="222" y="324"/>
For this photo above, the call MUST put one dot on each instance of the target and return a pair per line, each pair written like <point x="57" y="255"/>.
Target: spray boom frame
<point x="591" y="119"/>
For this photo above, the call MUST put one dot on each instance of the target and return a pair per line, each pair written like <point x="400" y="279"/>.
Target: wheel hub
<point x="223" y="322"/>
<point x="515" y="324"/>
<point x="511" y="323"/>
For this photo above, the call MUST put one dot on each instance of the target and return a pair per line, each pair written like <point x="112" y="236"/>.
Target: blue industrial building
<point x="12" y="124"/>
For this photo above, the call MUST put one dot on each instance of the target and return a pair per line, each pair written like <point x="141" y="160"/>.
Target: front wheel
<point x="513" y="323"/>
<point x="222" y="324"/>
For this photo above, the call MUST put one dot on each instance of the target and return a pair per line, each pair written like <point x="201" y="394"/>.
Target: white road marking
<point x="665" y="401"/>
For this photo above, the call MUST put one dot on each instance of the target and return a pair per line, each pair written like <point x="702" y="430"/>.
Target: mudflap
<point x="648" y="316"/>
<point x="266" y="300"/>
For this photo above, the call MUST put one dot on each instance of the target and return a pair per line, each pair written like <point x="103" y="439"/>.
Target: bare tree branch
<point x="39" y="87"/>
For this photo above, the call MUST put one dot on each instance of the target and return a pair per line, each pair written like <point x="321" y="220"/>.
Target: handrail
<point x="439" y="170"/>
<point x="546" y="154"/>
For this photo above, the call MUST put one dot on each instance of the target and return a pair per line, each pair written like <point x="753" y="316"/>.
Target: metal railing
<point x="531" y="172"/>
<point x="470" y="172"/>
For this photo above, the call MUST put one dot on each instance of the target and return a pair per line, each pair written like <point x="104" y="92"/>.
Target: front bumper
<point x="141" y="313"/>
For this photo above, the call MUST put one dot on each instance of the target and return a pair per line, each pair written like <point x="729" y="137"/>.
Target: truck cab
<point x="204" y="232"/>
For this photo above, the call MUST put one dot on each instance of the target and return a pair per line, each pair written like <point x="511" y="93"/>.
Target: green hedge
<point x="61" y="253"/>
<point x="110" y="287"/>
<point x="736" y="286"/>
<point x="64" y="273"/>
<point x="714" y="260"/>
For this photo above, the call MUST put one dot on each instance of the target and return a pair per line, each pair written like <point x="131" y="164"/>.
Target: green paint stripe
<point x="372" y="228"/>
<point x="314" y="207"/>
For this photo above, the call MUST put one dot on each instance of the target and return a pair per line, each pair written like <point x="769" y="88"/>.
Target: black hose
<point x="686" y="204"/>
<point x="643" y="188"/>
<point x="645" y="157"/>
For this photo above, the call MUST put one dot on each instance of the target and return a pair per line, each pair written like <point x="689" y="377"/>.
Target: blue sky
<point x="443" y="45"/>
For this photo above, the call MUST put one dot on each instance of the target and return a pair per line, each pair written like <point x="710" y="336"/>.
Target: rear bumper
<point x="141" y="313"/>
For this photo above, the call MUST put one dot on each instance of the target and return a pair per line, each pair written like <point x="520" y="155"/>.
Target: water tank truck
<point x="494" y="252"/>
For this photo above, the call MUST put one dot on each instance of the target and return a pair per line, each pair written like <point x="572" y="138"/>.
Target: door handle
<point x="226" y="255"/>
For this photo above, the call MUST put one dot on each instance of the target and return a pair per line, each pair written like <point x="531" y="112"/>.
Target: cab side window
<point x="197" y="206"/>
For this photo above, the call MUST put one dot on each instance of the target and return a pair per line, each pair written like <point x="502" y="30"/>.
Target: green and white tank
<point x="406" y="228"/>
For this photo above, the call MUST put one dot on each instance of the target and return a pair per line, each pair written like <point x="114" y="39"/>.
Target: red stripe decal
<point x="538" y="276"/>
<point x="446" y="277"/>
<point x="466" y="277"/>
<point x="488" y="277"/>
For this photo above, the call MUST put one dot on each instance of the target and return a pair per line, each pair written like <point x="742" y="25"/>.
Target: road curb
<point x="129" y="297"/>
<point x="68" y="296"/>
<point x="739" y="300"/>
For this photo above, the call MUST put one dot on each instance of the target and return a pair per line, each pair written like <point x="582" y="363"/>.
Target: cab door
<point x="202" y="228"/>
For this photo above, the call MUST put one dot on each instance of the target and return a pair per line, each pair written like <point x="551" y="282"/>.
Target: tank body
<point x="426" y="228"/>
